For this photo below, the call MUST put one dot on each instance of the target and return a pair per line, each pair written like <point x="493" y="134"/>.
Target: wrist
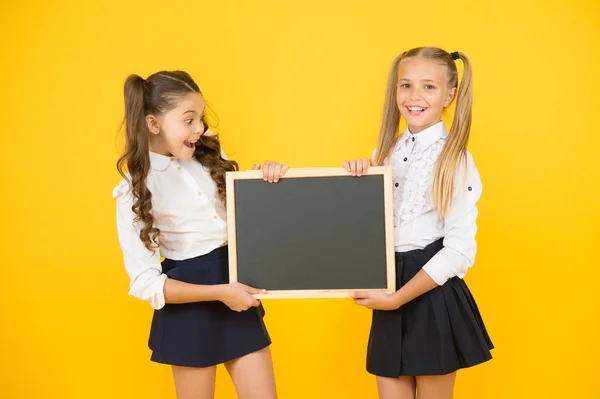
<point x="218" y="292"/>
<point x="396" y="300"/>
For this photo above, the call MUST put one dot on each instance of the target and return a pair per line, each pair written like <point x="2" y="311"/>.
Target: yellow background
<point x="300" y="82"/>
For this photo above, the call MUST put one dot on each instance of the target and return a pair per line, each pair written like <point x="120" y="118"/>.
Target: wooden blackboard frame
<point x="304" y="173"/>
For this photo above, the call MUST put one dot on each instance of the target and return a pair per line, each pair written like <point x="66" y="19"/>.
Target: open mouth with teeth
<point x="415" y="110"/>
<point x="190" y="144"/>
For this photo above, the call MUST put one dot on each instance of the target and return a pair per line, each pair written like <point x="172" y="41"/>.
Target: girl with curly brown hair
<point x="170" y="204"/>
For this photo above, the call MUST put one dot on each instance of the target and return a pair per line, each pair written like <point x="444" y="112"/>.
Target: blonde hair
<point x="455" y="150"/>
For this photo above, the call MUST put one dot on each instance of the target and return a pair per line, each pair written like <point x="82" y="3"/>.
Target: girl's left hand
<point x="377" y="300"/>
<point x="272" y="171"/>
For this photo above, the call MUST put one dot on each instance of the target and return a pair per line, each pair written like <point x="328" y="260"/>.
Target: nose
<point x="415" y="93"/>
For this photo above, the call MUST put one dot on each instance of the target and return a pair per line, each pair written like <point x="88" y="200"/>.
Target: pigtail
<point x="454" y="153"/>
<point x="136" y="158"/>
<point x="391" y="115"/>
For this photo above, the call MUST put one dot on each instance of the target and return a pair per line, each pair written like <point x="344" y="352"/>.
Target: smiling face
<point x="175" y="132"/>
<point x="422" y="92"/>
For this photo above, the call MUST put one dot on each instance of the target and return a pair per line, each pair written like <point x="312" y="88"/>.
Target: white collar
<point x="159" y="162"/>
<point x="426" y="137"/>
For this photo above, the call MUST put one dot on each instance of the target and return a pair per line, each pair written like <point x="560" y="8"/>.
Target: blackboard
<point x="315" y="233"/>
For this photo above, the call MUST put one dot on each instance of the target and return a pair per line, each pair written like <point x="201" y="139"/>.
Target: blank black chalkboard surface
<point x="317" y="233"/>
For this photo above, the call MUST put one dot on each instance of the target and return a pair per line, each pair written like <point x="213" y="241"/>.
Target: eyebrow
<point x="424" y="80"/>
<point x="189" y="110"/>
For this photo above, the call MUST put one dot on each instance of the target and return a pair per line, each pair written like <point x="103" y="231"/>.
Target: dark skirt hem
<point x="418" y="373"/>
<point x="164" y="360"/>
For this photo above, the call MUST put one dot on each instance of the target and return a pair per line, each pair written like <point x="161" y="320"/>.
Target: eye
<point x="429" y="87"/>
<point x="404" y="86"/>
<point x="189" y="121"/>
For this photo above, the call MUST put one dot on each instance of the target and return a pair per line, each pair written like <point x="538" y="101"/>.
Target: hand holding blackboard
<point x="375" y="300"/>
<point x="272" y="171"/>
<point x="317" y="233"/>
<point x="358" y="167"/>
<point x="239" y="297"/>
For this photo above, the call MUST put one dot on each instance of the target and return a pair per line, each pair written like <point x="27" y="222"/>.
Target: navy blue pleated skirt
<point x="436" y="333"/>
<point x="203" y="334"/>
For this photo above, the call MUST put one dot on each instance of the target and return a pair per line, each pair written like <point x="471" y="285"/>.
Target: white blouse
<point x="188" y="212"/>
<point x="416" y="220"/>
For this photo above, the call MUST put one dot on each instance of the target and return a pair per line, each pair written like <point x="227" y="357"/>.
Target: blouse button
<point x="397" y="184"/>
<point x="405" y="159"/>
<point x="413" y="139"/>
<point x="470" y="188"/>
<point x="199" y="193"/>
<point x="215" y="217"/>
<point x="179" y="168"/>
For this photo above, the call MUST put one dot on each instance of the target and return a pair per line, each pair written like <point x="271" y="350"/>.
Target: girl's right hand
<point x="358" y="167"/>
<point x="239" y="296"/>
<point x="272" y="171"/>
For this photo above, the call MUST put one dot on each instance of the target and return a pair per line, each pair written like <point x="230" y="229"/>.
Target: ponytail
<point x="454" y="153"/>
<point x="136" y="158"/>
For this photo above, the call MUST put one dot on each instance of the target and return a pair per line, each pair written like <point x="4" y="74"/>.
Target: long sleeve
<point x="143" y="266"/>
<point x="460" y="227"/>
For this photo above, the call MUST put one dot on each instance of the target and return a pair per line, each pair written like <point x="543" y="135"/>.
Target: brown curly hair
<point x="155" y="96"/>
